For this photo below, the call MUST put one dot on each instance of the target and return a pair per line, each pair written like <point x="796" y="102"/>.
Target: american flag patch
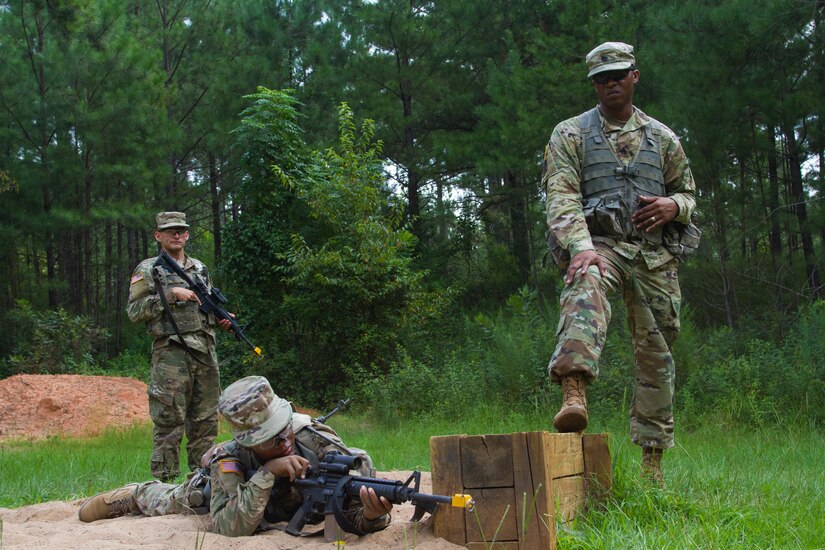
<point x="230" y="467"/>
<point x="137" y="277"/>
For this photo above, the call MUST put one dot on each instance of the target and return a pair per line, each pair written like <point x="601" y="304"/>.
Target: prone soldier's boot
<point x="652" y="465"/>
<point x="110" y="504"/>
<point x="573" y="414"/>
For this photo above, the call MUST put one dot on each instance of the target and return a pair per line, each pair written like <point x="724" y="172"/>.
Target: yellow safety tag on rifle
<point x="463" y="501"/>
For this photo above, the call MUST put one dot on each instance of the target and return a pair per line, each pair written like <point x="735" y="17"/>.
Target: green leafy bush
<point x="52" y="342"/>
<point x="765" y="383"/>
<point x="497" y="359"/>
<point x="320" y="256"/>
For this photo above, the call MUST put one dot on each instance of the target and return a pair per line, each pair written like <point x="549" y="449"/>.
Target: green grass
<point x="725" y="488"/>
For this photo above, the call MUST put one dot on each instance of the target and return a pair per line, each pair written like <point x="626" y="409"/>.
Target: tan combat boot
<point x="111" y="504"/>
<point x="652" y="465"/>
<point x="573" y="414"/>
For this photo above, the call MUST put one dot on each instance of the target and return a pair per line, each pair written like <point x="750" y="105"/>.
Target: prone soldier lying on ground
<point x="251" y="478"/>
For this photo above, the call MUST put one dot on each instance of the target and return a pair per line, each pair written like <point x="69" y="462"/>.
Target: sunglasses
<point x="173" y="232"/>
<point x="277" y="440"/>
<point x="616" y="76"/>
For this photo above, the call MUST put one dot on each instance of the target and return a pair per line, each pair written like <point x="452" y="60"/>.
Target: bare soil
<point x="39" y="406"/>
<point x="34" y="406"/>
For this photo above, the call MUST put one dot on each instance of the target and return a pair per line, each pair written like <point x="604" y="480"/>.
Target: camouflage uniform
<point x="184" y="391"/>
<point x="244" y="495"/>
<point x="638" y="266"/>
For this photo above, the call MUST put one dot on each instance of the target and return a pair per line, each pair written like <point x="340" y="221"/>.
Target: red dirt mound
<point x="34" y="406"/>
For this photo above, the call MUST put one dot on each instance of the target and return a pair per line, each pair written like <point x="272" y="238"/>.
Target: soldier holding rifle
<point x="185" y="385"/>
<point x="248" y="483"/>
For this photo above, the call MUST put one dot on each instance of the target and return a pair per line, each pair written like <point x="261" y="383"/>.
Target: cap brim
<point x="618" y="66"/>
<point x="278" y="417"/>
<point x="169" y="225"/>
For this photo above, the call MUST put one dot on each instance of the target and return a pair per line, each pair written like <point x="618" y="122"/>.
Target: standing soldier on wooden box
<point x="185" y="386"/>
<point x="620" y="197"/>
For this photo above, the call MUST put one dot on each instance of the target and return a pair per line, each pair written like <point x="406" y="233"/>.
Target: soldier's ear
<point x="157" y="236"/>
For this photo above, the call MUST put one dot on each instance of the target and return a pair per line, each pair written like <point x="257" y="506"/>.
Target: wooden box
<point x="522" y="484"/>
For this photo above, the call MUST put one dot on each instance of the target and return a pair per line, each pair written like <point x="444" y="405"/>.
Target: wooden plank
<point x="569" y="496"/>
<point x="527" y="520"/>
<point x="445" y="461"/>
<point x="487" y="461"/>
<point x="496" y="513"/>
<point x="598" y="471"/>
<point x="540" y="450"/>
<point x="497" y="546"/>
<point x="568" y="459"/>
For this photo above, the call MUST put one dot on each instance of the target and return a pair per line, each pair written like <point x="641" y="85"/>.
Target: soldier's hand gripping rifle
<point x="211" y="301"/>
<point x="328" y="488"/>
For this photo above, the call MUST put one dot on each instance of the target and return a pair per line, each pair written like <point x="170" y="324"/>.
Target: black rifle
<point x="328" y="488"/>
<point x="342" y="404"/>
<point x="211" y="301"/>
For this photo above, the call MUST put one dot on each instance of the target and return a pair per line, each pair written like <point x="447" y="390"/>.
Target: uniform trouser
<point x="183" y="398"/>
<point x="155" y="498"/>
<point x="653" y="300"/>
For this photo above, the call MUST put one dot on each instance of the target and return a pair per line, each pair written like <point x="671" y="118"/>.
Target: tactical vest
<point x="188" y="315"/>
<point x="610" y="190"/>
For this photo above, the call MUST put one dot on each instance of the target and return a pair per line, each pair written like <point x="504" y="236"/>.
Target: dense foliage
<point x="403" y="256"/>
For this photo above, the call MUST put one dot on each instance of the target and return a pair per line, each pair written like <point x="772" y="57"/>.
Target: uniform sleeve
<point x="144" y="302"/>
<point x="561" y="179"/>
<point x="237" y="506"/>
<point x="678" y="177"/>
<point x="355" y="514"/>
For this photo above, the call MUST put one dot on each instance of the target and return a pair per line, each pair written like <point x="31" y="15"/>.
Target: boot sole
<point x="570" y="421"/>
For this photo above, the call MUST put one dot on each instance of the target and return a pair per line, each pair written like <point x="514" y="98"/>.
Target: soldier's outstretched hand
<point x="374" y="506"/>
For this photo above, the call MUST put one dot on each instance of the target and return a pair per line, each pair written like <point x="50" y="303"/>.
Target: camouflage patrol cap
<point x="165" y="220"/>
<point x="253" y="410"/>
<point x="610" y="56"/>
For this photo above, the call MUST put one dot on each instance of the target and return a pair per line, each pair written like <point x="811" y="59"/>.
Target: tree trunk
<point x="217" y="207"/>
<point x="518" y="225"/>
<point x="45" y="138"/>
<point x="109" y="297"/>
<point x="120" y="298"/>
<point x="169" y="69"/>
<point x="720" y="216"/>
<point x="413" y="176"/>
<point x="442" y="212"/>
<point x="144" y="242"/>
<point x="132" y="247"/>
<point x="801" y="209"/>
<point x="86" y="271"/>
<point x="773" y="201"/>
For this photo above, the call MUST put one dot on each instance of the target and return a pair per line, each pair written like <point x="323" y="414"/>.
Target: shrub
<point x="321" y="257"/>
<point x="53" y="342"/>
